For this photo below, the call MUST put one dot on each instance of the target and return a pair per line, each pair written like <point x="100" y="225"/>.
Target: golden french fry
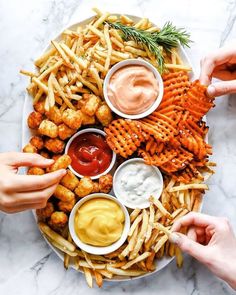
<point x="137" y="259"/>
<point x="88" y="276"/>
<point x="202" y="186"/>
<point x="123" y="272"/>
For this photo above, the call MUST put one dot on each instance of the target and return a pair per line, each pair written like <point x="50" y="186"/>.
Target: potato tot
<point x="29" y="148"/>
<point x="70" y="181"/>
<point x="85" y="187"/>
<point x="91" y="105"/>
<point x="54" y="115"/>
<point x="88" y="120"/>
<point x="105" y="183"/>
<point x="48" y="128"/>
<point x="54" y="145"/>
<point x="65" y="132"/>
<point x="45" y="154"/>
<point x="104" y="114"/>
<point x="58" y="220"/>
<point x="39" y="107"/>
<point x="72" y="118"/>
<point x="35" y="171"/>
<point x="61" y="163"/>
<point x="37" y="142"/>
<point x="95" y="187"/>
<point x="34" y="120"/>
<point x="64" y="194"/>
<point x="66" y="206"/>
<point x="45" y="212"/>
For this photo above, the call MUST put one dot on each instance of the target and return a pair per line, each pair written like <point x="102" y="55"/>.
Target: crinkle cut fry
<point x="125" y="136"/>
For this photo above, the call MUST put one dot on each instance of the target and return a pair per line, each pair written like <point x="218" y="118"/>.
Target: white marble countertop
<point x="27" y="265"/>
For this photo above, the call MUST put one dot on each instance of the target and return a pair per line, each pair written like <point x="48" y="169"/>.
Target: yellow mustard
<point x="99" y="222"/>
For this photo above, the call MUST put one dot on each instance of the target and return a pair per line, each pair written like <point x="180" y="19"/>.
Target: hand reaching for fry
<point x="23" y="192"/>
<point x="221" y="65"/>
<point x="211" y="241"/>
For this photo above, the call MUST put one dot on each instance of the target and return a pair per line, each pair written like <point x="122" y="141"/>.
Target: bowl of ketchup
<point x="90" y="154"/>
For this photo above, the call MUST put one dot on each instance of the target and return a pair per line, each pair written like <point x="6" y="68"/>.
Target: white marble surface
<point x="27" y="265"/>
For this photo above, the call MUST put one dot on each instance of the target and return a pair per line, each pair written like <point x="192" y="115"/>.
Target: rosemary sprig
<point x="167" y="38"/>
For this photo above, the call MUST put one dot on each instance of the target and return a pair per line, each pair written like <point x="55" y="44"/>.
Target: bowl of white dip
<point x="134" y="182"/>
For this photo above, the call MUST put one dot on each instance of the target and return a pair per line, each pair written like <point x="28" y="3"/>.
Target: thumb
<point x="187" y="245"/>
<point x="221" y="88"/>
<point x="26" y="159"/>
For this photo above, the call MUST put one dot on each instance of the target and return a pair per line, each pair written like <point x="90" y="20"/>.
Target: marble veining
<point x="27" y="264"/>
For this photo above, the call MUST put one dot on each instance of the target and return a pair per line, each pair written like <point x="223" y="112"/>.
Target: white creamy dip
<point x="135" y="182"/>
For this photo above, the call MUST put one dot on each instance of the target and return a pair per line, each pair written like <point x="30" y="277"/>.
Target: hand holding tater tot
<point x="24" y="192"/>
<point x="211" y="241"/>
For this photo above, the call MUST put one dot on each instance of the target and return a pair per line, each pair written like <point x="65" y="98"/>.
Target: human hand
<point x="222" y="65"/>
<point x="23" y="192"/>
<point x="211" y="241"/>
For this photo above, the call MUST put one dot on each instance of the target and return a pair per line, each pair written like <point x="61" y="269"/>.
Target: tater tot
<point x="58" y="220"/>
<point x="54" y="115"/>
<point x="95" y="187"/>
<point x="39" y="107"/>
<point x="61" y="163"/>
<point x="45" y="154"/>
<point x="35" y="171"/>
<point x="88" y="120"/>
<point x="66" y="206"/>
<point x="45" y="212"/>
<point x="34" y="120"/>
<point x="91" y="105"/>
<point x="105" y="183"/>
<point x="29" y="148"/>
<point x="54" y="145"/>
<point x="72" y="118"/>
<point x="104" y="114"/>
<point x="65" y="132"/>
<point x="37" y="142"/>
<point x="70" y="181"/>
<point x="64" y="194"/>
<point x="48" y="128"/>
<point x="85" y="187"/>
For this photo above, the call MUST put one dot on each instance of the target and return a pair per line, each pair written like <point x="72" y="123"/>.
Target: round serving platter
<point x="27" y="134"/>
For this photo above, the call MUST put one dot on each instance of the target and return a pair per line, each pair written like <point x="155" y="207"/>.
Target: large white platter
<point x="27" y="133"/>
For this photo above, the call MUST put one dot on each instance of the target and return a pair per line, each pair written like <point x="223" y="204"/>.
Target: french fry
<point x="109" y="47"/>
<point x="159" y="205"/>
<point x="150" y="222"/>
<point x="56" y="237"/>
<point x="160" y="243"/>
<point x="62" y="54"/>
<point x="179" y="257"/>
<point x="136" y="260"/>
<point x="88" y="276"/>
<point x="98" y="278"/>
<point x="134" y="214"/>
<point x="162" y="228"/>
<point x="202" y="186"/>
<point x="123" y="272"/>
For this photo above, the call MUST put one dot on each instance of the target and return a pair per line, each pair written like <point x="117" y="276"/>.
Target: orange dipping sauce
<point x="133" y="89"/>
<point x="90" y="154"/>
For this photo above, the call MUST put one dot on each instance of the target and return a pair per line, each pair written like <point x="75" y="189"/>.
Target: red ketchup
<point x="90" y="154"/>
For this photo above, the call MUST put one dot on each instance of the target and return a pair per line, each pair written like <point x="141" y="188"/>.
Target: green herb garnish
<point x="167" y="38"/>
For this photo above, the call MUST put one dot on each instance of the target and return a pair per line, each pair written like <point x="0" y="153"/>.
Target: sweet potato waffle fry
<point x="125" y="136"/>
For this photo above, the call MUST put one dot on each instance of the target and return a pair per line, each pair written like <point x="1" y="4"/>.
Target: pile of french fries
<point x="147" y="239"/>
<point x="79" y="61"/>
<point x="75" y="65"/>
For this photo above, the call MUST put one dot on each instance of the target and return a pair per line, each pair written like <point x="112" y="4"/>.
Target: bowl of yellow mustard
<point x="99" y="224"/>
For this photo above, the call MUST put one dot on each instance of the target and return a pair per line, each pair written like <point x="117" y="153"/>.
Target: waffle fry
<point x="125" y="136"/>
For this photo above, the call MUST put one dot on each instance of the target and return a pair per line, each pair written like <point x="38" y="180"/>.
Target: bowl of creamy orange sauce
<point x="133" y="88"/>
<point x="99" y="224"/>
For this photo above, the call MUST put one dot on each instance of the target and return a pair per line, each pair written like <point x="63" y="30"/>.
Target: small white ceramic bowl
<point x="119" y="194"/>
<point x="133" y="62"/>
<point x="94" y="249"/>
<point x="90" y="130"/>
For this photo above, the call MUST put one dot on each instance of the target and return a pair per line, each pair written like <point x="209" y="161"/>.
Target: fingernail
<point x="211" y="90"/>
<point x="174" y="238"/>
